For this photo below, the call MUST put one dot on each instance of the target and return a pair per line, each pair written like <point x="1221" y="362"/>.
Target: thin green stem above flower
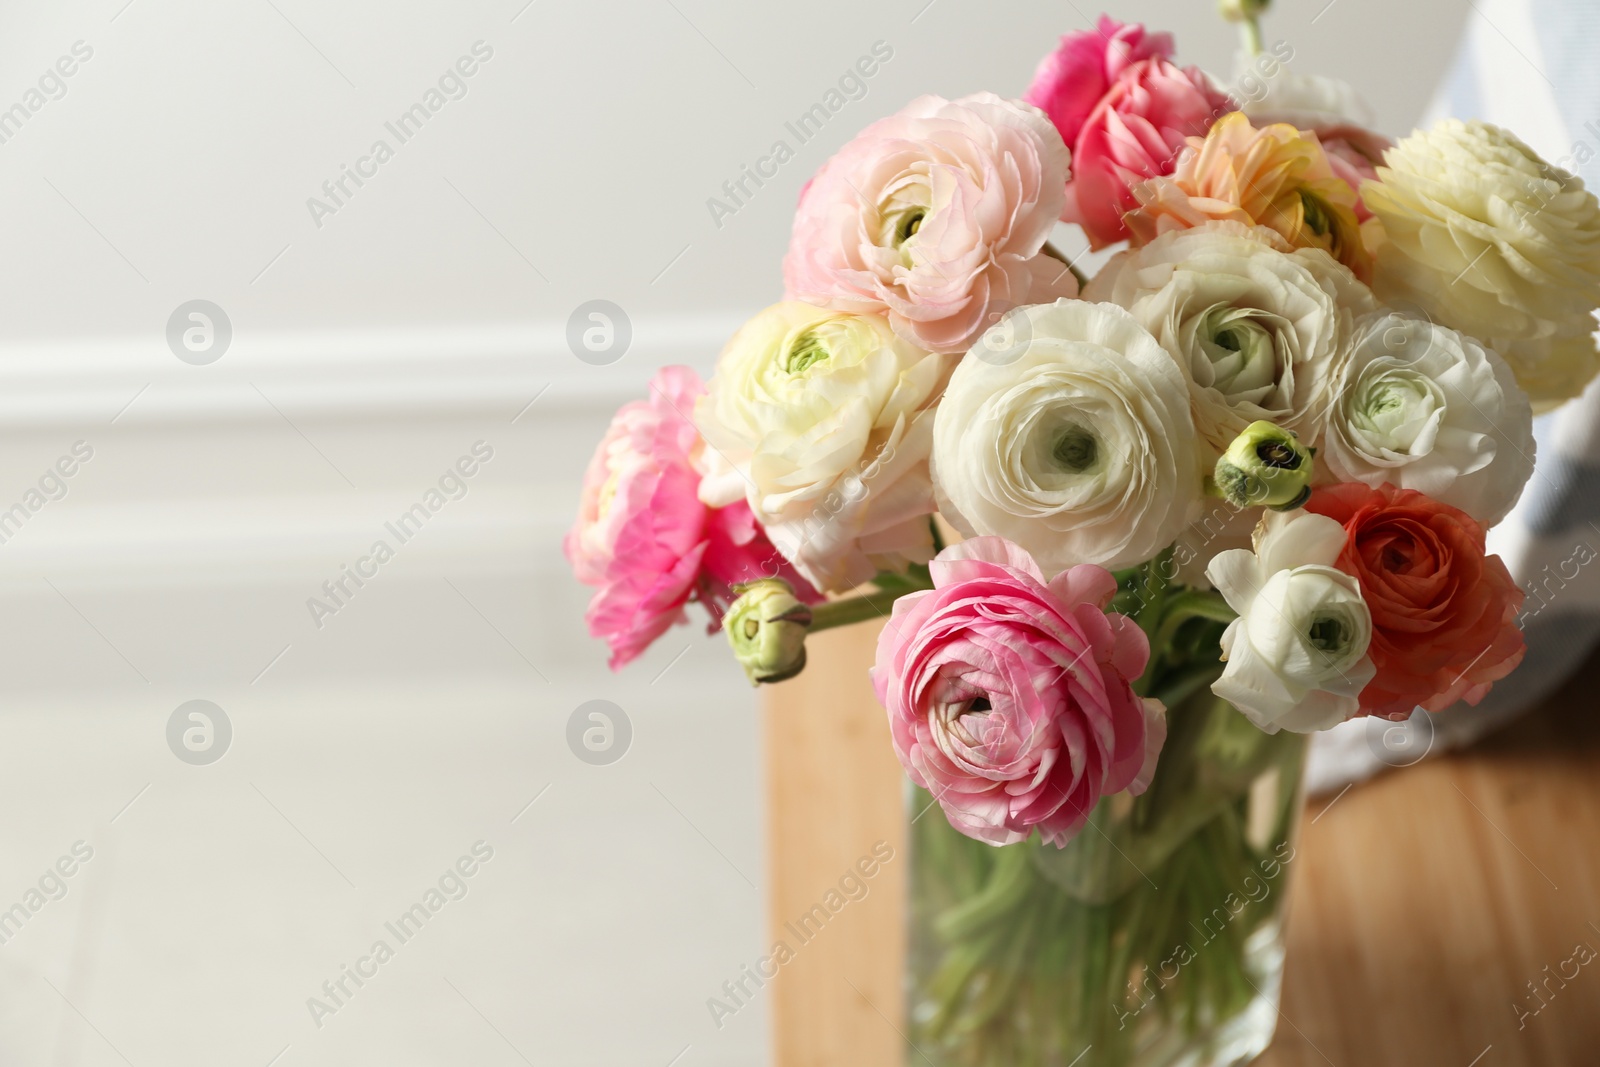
<point x="1251" y="30"/>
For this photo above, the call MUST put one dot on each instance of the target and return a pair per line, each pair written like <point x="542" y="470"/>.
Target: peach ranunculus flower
<point x="1277" y="176"/>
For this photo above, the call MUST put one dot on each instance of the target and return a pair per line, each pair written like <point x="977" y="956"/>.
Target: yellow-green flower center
<point x="906" y="227"/>
<point x="806" y="350"/>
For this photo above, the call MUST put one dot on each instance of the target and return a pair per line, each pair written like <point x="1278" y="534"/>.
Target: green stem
<point x="1251" y="29"/>
<point x="863" y="608"/>
<point x="1008" y="884"/>
<point x="1186" y="684"/>
<point x="1023" y="956"/>
<point x="1190" y="604"/>
<point x="1055" y="253"/>
<point x="1157" y="581"/>
<point x="1152" y="590"/>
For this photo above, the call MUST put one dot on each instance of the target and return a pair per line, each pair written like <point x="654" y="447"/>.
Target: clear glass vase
<point x="1154" y="939"/>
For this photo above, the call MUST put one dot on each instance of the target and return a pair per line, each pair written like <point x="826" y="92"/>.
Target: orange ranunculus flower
<point x="1443" y="612"/>
<point x="1277" y="176"/>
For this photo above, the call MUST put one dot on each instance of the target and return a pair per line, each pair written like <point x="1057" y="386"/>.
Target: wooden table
<point x="1428" y="901"/>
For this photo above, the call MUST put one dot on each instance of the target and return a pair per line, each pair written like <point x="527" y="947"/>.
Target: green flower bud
<point x="1265" y="466"/>
<point x="1239" y="10"/>
<point x="767" y="627"/>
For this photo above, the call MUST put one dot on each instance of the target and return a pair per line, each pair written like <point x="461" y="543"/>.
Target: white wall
<point x="591" y="141"/>
<point x="368" y="354"/>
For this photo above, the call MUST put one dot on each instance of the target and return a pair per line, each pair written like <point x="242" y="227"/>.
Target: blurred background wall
<point x="380" y="330"/>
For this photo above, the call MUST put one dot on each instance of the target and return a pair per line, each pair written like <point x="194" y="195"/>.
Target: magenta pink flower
<point x="643" y="537"/>
<point x="935" y="217"/>
<point x="1134" y="133"/>
<point x="1071" y="80"/>
<point x="1010" y="698"/>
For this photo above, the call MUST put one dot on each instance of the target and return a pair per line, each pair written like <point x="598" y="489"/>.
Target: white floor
<point x="219" y="898"/>
<point x="367" y="757"/>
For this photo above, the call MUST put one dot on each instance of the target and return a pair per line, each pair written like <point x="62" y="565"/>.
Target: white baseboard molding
<point x="336" y="376"/>
<point x="226" y="473"/>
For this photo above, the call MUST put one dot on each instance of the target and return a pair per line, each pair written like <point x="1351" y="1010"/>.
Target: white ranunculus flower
<point x="1423" y="407"/>
<point x="822" y="420"/>
<point x="1487" y="238"/>
<point x="1260" y="332"/>
<point x="1269" y="90"/>
<point x="1067" y="430"/>
<point x="1297" y="654"/>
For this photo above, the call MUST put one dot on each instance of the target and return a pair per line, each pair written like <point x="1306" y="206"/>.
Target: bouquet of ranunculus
<point x="1237" y="483"/>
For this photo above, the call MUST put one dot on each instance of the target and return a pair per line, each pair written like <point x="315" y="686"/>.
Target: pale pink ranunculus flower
<point x="935" y="216"/>
<point x="1071" y="80"/>
<point x="643" y="538"/>
<point x="1136" y="132"/>
<point x="1010" y="698"/>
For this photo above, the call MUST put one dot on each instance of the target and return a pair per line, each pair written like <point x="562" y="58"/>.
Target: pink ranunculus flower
<point x="935" y="217"/>
<point x="1136" y="132"/>
<point x="1355" y="155"/>
<point x="1010" y="698"/>
<point x="643" y="537"/>
<point x="1071" y="80"/>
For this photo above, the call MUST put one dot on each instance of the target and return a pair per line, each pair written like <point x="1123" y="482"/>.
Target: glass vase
<point x="1153" y="939"/>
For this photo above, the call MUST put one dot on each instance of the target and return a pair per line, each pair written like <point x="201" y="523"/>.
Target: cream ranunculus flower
<point x="822" y="420"/>
<point x="1487" y="238"/>
<point x="1297" y="654"/>
<point x="1423" y="407"/>
<point x="1067" y="430"/>
<point x="1551" y="369"/>
<point x="1260" y="332"/>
